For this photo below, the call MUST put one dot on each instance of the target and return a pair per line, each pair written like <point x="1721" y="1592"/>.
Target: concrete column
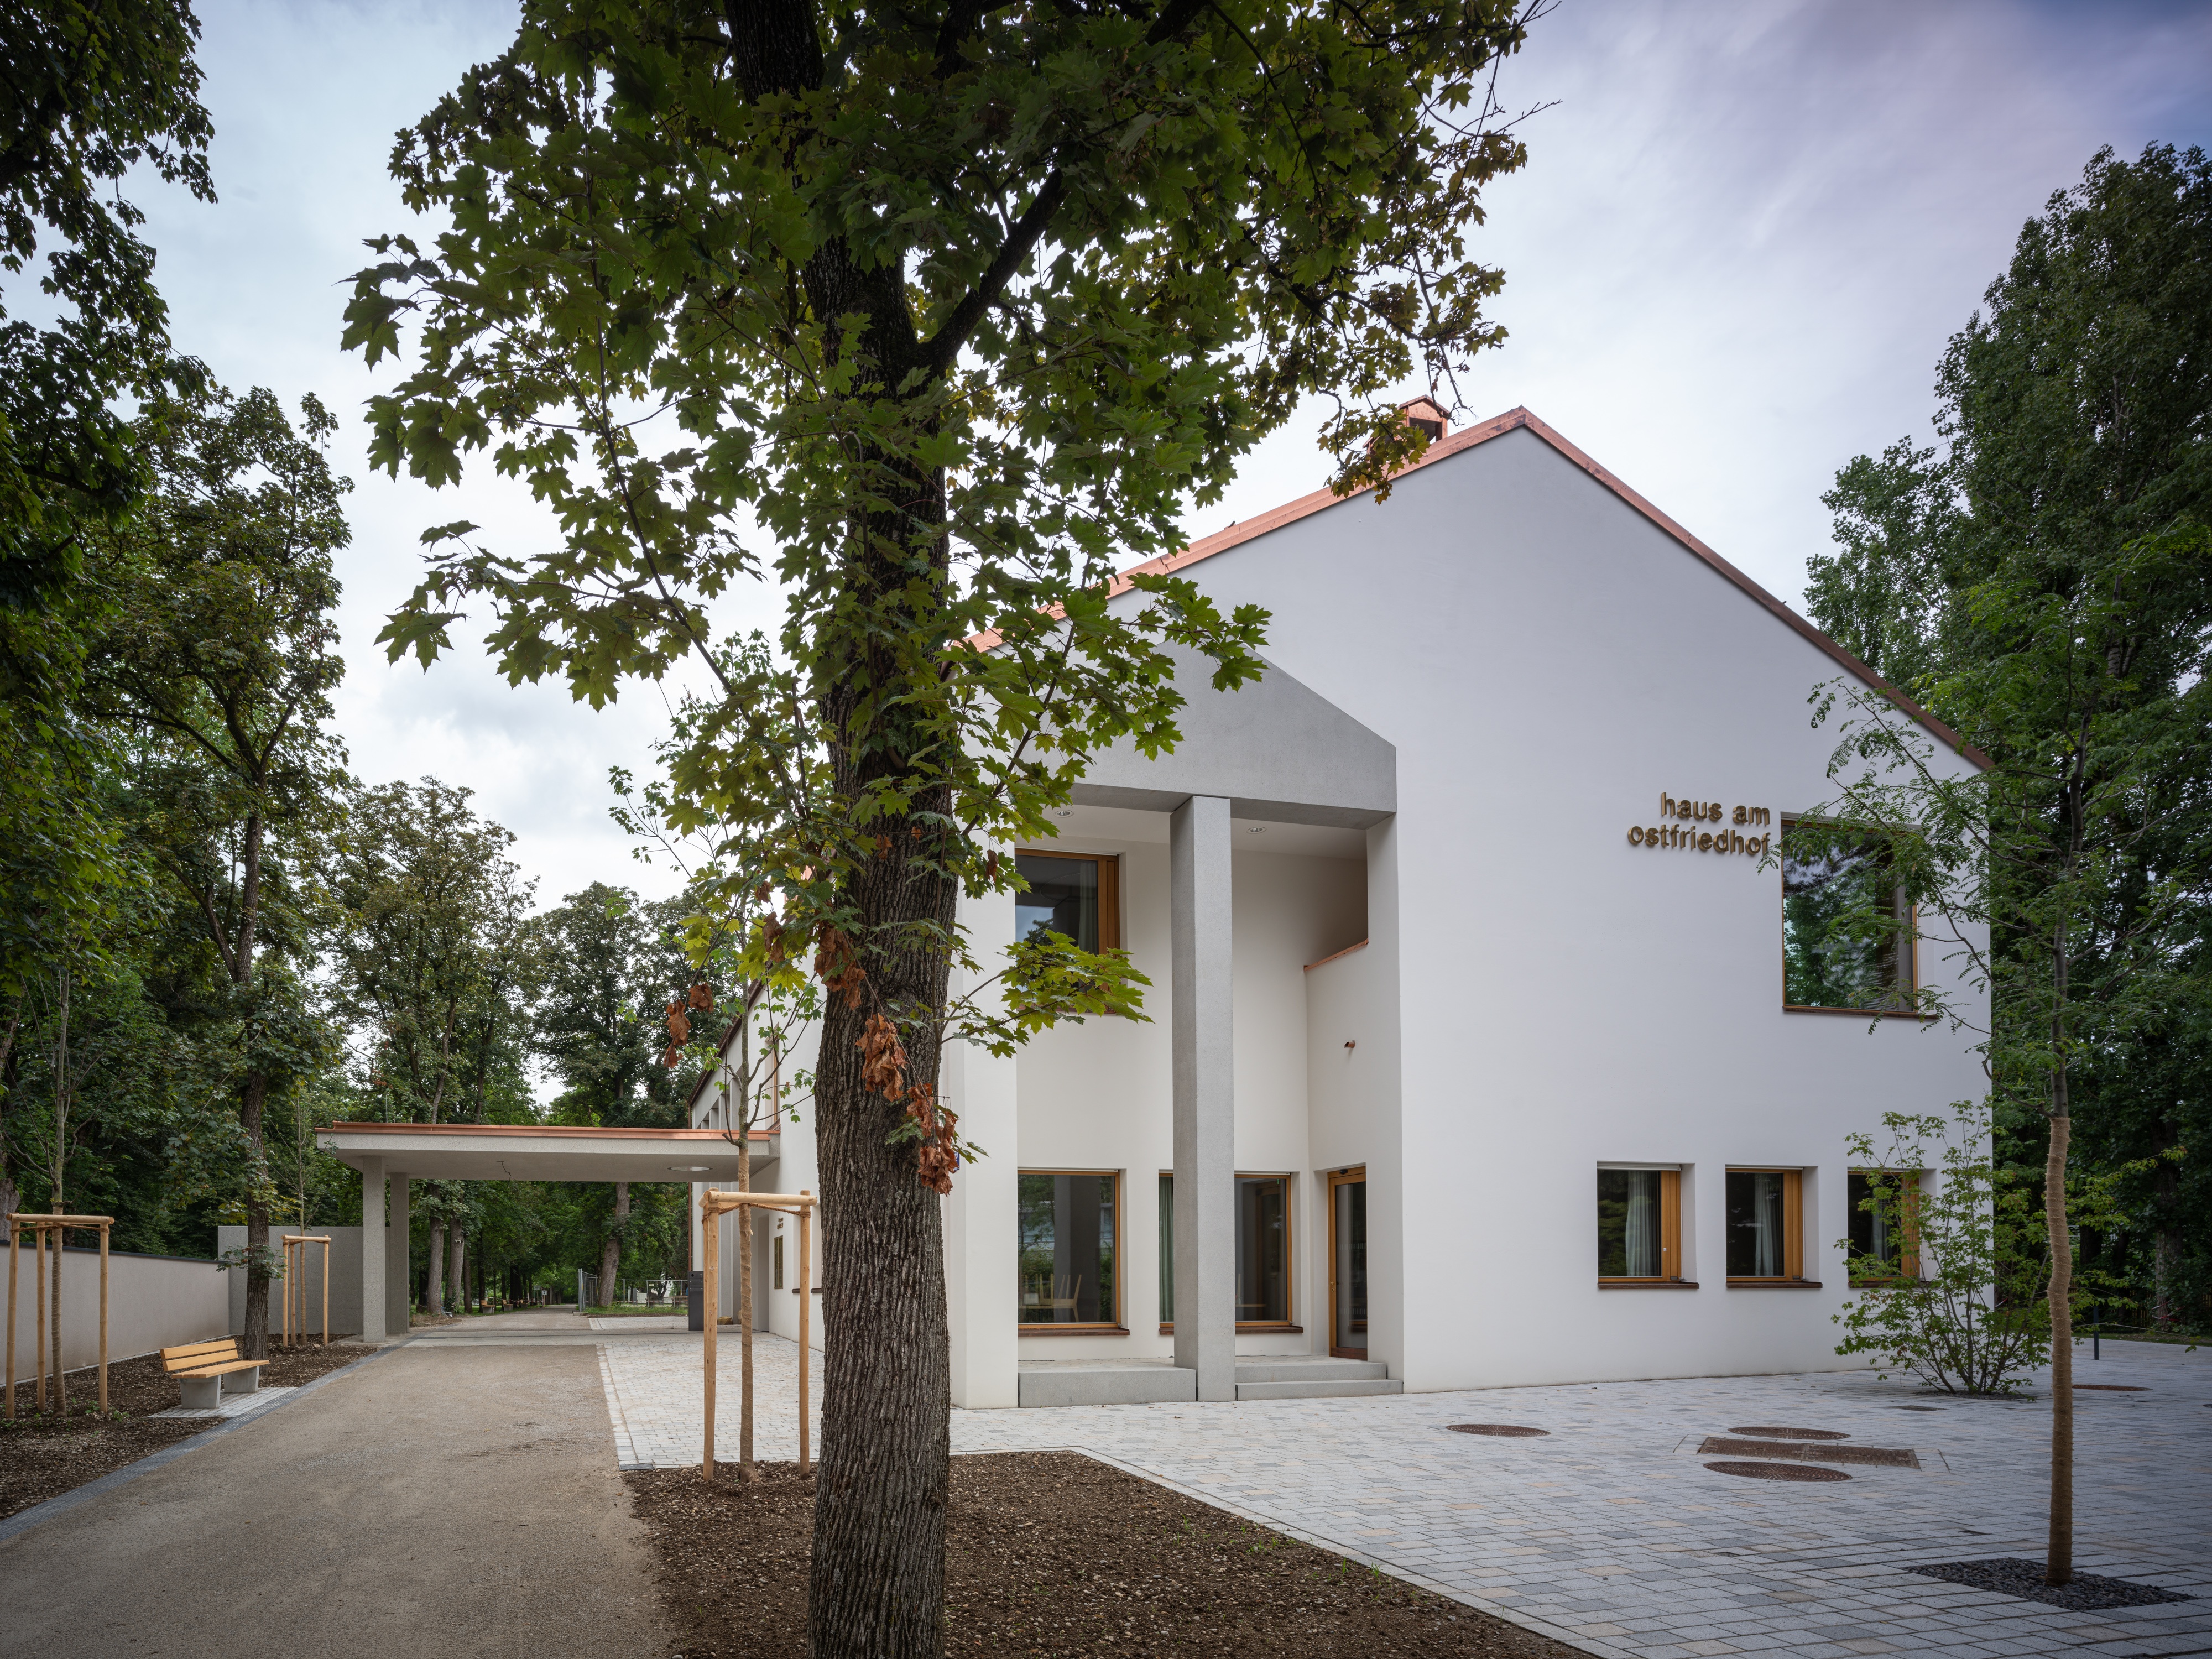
<point x="1205" y="1096"/>
<point x="981" y="1280"/>
<point x="397" y="1257"/>
<point x="371" y="1250"/>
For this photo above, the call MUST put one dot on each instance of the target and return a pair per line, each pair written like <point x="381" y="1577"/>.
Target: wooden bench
<point x="201" y="1367"/>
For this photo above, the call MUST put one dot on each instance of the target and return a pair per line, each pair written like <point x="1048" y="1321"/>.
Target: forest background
<point x="210" y="924"/>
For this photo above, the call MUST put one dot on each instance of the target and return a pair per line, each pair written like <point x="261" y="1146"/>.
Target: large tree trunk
<point x="611" y="1253"/>
<point x="2166" y="1235"/>
<point x="254" y="1343"/>
<point x="878" y="1585"/>
<point x="433" y="1287"/>
<point x="2058" y="1561"/>
<point x="459" y="1249"/>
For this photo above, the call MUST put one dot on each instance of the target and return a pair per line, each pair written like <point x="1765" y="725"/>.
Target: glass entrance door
<point x="1348" y="1263"/>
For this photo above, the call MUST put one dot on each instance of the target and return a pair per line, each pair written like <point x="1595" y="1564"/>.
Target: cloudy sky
<point x="1744" y="234"/>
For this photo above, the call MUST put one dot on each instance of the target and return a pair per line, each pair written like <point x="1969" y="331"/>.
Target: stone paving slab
<point x="1609" y="1534"/>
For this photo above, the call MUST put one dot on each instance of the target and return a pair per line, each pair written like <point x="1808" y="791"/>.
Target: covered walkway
<point x="391" y="1156"/>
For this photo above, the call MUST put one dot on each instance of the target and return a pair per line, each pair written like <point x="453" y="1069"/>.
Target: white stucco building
<point x="1472" y="1058"/>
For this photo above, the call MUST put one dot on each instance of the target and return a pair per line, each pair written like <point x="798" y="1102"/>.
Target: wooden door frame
<point x="1344" y="1177"/>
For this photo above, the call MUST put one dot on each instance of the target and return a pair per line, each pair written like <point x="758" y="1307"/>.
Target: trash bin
<point x="695" y="1297"/>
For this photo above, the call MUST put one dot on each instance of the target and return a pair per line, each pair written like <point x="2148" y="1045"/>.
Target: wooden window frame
<point x="1907" y="1270"/>
<point x="1670" y="1232"/>
<point x="1792" y="1276"/>
<point x="1289" y="1253"/>
<point x="1344" y="1177"/>
<point x="1104" y="1327"/>
<point x="1110" y="897"/>
<point x="775" y="1254"/>
<point x="1911" y="942"/>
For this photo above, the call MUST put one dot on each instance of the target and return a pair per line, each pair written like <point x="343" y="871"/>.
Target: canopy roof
<point x="532" y="1151"/>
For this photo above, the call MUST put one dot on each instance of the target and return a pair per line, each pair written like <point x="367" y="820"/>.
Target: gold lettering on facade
<point x="1671" y="836"/>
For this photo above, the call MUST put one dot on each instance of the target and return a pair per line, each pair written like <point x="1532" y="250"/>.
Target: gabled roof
<point x="1520" y="420"/>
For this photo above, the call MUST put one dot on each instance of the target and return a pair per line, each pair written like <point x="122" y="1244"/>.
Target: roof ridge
<point x="1522" y="419"/>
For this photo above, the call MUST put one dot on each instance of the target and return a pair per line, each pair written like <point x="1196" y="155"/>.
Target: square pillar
<point x="981" y="1218"/>
<point x="397" y="1258"/>
<point x="1205" y="1095"/>
<point x="372" y="1250"/>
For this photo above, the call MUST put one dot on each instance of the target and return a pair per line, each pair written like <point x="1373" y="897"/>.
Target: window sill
<point x="1246" y="1328"/>
<point x="1863" y="1013"/>
<point x="1073" y="1330"/>
<point x="1774" y="1284"/>
<point x="1647" y="1284"/>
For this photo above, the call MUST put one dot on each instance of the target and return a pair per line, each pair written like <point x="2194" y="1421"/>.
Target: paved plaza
<point x="1609" y="1533"/>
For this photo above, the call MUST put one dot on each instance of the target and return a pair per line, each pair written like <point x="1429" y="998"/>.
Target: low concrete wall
<point x="1108" y="1385"/>
<point x="154" y="1301"/>
<point x="345" y="1250"/>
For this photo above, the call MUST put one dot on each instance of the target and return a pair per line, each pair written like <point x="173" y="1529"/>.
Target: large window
<point x="1263" y="1251"/>
<point x="1880" y="1232"/>
<point x="1765" y="1226"/>
<point x="1639" y="1226"/>
<point x="1846" y="939"/>
<point x="1075" y="895"/>
<point x="1069" y="1228"/>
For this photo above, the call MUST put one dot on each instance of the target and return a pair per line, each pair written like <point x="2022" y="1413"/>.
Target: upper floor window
<point x="1846" y="926"/>
<point x="1075" y="895"/>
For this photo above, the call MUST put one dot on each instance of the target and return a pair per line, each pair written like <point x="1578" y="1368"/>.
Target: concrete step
<point x="1106" y="1385"/>
<point x="1320" y="1388"/>
<point x="1299" y="1369"/>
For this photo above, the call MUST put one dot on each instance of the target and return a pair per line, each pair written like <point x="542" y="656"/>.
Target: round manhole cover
<point x="1508" y="1430"/>
<point x="1778" y="1471"/>
<point x="1793" y="1434"/>
<point x="2112" y="1387"/>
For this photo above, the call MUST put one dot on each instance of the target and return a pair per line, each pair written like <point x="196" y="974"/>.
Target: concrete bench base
<point x="204" y="1393"/>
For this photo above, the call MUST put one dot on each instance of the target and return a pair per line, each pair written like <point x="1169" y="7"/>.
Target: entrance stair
<point x="1309" y="1377"/>
<point x="1139" y="1382"/>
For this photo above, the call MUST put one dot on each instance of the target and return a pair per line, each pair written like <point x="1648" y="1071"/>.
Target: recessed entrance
<point x="1348" y="1263"/>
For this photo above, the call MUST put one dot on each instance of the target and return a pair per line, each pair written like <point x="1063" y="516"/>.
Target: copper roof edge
<point x="1520" y="419"/>
<point x="589" y="1132"/>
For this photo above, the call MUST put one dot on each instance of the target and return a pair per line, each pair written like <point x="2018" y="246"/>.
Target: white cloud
<point x="1744" y="235"/>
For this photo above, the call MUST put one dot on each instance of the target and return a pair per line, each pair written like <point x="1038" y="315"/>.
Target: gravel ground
<point x="43" y="1455"/>
<point x="2016" y="1575"/>
<point x="1053" y="1553"/>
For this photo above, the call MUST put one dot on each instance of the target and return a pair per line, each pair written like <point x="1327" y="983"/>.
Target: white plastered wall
<point x="1546" y="660"/>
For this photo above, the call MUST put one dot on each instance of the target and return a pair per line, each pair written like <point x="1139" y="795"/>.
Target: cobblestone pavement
<point x="1609" y="1533"/>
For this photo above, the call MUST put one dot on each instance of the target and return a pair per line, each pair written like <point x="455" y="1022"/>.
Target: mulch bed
<point x="44" y="1454"/>
<point x="2015" y="1576"/>
<point x="1051" y="1554"/>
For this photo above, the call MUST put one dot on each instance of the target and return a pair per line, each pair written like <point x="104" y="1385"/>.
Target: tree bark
<point x="433" y="1288"/>
<point x="2058" y="1561"/>
<point x="612" y="1253"/>
<point x="460" y="1251"/>
<point x="254" y="1343"/>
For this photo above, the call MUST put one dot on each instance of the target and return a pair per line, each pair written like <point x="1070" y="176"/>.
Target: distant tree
<point x="95" y="89"/>
<point x="600" y="1024"/>
<point x="2046" y="586"/>
<point x="219" y="651"/>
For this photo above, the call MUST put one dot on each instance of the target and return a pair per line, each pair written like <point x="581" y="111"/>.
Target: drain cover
<point x="1509" y="1431"/>
<point x="1778" y="1471"/>
<point x="1727" y="1446"/>
<point x="1793" y="1434"/>
<point x="2112" y="1387"/>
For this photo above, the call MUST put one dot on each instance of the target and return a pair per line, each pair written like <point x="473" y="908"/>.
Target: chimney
<point x="1430" y="416"/>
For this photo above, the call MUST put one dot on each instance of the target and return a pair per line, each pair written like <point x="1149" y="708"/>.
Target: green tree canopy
<point x="936" y="317"/>
<point x="93" y="88"/>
